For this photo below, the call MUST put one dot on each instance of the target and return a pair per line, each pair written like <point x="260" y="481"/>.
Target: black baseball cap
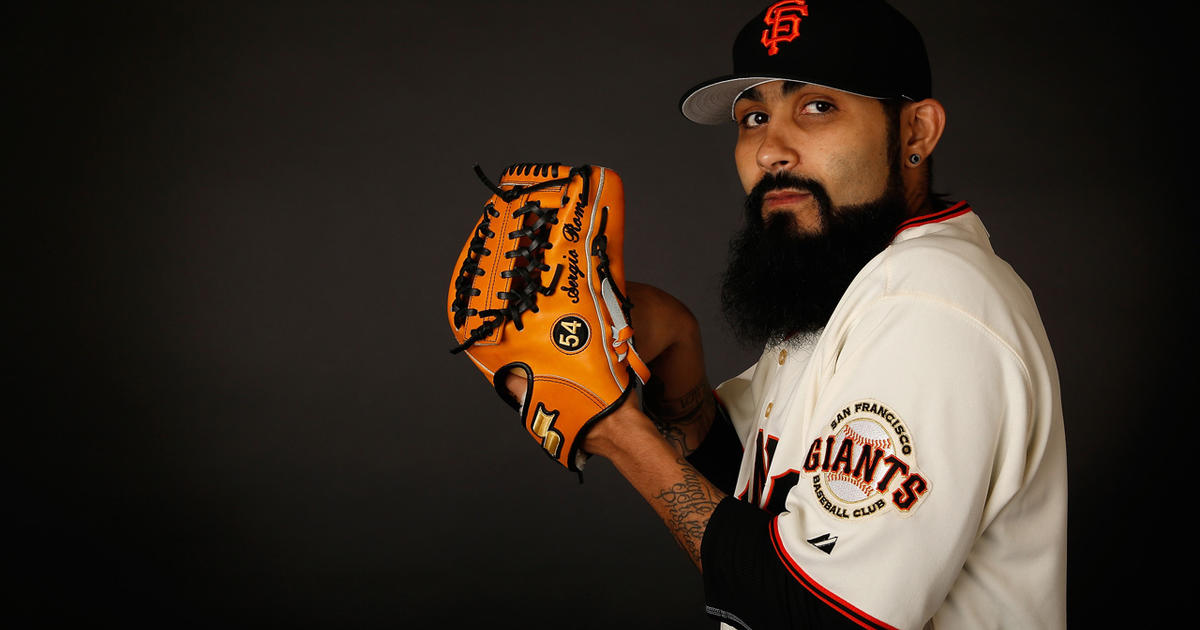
<point x="865" y="47"/>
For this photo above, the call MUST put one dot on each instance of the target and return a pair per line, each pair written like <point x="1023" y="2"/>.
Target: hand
<point x="678" y="397"/>
<point x="599" y="439"/>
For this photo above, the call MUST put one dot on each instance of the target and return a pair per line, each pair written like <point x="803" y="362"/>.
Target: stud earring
<point x="914" y="159"/>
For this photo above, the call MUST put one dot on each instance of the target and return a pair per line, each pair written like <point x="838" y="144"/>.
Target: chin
<point x="801" y="222"/>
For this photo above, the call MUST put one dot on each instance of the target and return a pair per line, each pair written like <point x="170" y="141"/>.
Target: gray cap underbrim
<point x="712" y="103"/>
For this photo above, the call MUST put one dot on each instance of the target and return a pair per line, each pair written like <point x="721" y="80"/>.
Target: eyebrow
<point x="754" y="95"/>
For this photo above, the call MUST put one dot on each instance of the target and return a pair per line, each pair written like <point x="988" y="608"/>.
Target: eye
<point x="753" y="119"/>
<point x="818" y="107"/>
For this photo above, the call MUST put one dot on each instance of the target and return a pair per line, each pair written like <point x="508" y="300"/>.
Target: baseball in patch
<point x="866" y="464"/>
<point x="570" y="333"/>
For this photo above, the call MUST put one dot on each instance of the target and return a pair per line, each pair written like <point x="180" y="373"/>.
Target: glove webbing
<point x="522" y="298"/>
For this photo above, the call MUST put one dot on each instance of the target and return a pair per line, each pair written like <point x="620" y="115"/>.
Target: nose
<point x="775" y="154"/>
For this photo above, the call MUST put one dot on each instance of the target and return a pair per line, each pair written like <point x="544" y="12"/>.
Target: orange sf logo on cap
<point x="783" y="18"/>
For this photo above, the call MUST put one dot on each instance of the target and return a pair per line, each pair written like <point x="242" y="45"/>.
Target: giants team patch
<point x="866" y="465"/>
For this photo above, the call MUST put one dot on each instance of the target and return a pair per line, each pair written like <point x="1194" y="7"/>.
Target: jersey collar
<point x="955" y="210"/>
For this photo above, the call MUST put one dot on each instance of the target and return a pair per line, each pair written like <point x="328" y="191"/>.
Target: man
<point x="896" y="457"/>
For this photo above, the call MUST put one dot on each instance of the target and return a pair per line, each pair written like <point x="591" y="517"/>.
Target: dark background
<point x="232" y="226"/>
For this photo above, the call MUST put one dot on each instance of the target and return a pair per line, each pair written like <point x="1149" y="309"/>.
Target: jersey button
<point x="782" y="356"/>
<point x="769" y="405"/>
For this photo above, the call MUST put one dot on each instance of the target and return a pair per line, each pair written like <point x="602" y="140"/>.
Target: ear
<point x="921" y="126"/>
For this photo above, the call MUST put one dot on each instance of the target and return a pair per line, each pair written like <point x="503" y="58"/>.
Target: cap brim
<point x="711" y="102"/>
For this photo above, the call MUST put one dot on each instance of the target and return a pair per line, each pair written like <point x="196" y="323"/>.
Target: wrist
<point x="621" y="433"/>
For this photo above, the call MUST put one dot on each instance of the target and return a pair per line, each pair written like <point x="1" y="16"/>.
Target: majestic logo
<point x="783" y="20"/>
<point x="866" y="465"/>
<point x="824" y="542"/>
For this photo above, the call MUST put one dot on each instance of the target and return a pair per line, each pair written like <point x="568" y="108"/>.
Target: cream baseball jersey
<point x="914" y="452"/>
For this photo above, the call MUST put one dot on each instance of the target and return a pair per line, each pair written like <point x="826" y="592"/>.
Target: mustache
<point x="780" y="282"/>
<point x="780" y="181"/>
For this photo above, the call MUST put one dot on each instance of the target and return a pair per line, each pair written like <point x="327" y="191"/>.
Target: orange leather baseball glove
<point x="540" y="285"/>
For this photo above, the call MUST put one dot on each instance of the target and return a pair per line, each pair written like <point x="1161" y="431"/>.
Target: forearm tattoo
<point x="686" y="508"/>
<point x="685" y="420"/>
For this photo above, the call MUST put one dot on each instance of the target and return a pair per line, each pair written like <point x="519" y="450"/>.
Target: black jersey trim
<point x="719" y="455"/>
<point x="747" y="585"/>
<point x="828" y="597"/>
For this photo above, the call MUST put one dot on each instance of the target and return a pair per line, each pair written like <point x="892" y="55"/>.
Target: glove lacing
<point x="463" y="289"/>
<point x="522" y="296"/>
<point x="622" y="336"/>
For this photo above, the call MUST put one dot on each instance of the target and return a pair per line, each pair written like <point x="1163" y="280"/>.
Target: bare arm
<point x="649" y="449"/>
<point x="678" y="398"/>
<point x="652" y="464"/>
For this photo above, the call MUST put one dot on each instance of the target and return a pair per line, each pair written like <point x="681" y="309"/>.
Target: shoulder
<point x="941" y="289"/>
<point x="951" y="260"/>
<point x="949" y="263"/>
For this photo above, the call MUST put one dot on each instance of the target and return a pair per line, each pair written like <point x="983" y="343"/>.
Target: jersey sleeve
<point x="745" y="584"/>
<point x="920" y="437"/>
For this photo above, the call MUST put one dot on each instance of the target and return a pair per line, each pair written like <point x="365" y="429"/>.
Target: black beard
<point x="782" y="283"/>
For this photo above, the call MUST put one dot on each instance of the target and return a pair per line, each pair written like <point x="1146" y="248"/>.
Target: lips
<point x="786" y="196"/>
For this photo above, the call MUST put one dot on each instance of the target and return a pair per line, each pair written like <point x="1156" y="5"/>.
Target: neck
<point x="916" y="192"/>
<point x="918" y="203"/>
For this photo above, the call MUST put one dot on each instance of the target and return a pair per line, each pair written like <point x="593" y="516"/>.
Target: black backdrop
<point x="234" y="223"/>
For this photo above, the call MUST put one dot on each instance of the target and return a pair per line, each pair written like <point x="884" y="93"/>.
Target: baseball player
<point x="896" y="457"/>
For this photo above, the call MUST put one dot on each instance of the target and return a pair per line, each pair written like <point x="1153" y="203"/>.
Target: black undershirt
<point x="746" y="584"/>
